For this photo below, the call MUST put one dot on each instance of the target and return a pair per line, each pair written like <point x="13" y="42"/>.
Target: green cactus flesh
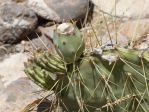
<point x="94" y="84"/>
<point x="46" y="71"/>
<point x="69" y="47"/>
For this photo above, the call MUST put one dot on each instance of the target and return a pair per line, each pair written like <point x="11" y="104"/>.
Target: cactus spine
<point x="89" y="81"/>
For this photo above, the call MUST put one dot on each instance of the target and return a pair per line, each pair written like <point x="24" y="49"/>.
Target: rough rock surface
<point x="17" y="95"/>
<point x="132" y="17"/>
<point x="16" y="21"/>
<point x="12" y="67"/>
<point x="16" y="91"/>
<point x="16" y="1"/>
<point x="124" y="8"/>
<point x="59" y="10"/>
<point x="135" y="29"/>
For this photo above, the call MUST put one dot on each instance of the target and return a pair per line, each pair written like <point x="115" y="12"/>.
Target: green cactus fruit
<point x="68" y="42"/>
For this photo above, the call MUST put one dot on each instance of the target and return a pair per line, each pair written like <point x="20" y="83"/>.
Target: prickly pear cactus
<point x="121" y="86"/>
<point x="68" y="42"/>
<point x="46" y="70"/>
<point x="94" y="82"/>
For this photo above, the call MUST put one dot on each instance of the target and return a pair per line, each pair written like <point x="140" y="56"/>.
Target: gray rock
<point x="16" y="1"/>
<point x="16" y="21"/>
<point x="5" y="1"/>
<point x="132" y="22"/>
<point x="16" y="90"/>
<point x="41" y="42"/>
<point x="59" y="10"/>
<point x="124" y="8"/>
<point x="12" y="67"/>
<point x="18" y="94"/>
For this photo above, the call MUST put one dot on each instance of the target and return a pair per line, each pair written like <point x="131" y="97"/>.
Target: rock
<point x="41" y="42"/>
<point x="18" y="94"/>
<point x="3" y="52"/>
<point x="19" y="1"/>
<point x="16" y="1"/>
<point x="147" y="39"/>
<point x="16" y="22"/>
<point x="121" y="39"/>
<point x="47" y="30"/>
<point x="15" y="89"/>
<point x="59" y="10"/>
<point x="124" y="8"/>
<point x="132" y="20"/>
<point x="12" y="68"/>
<point x="143" y="46"/>
<point x="135" y="30"/>
<point x="5" y="1"/>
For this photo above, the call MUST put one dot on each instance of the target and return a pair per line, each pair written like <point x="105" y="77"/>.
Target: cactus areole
<point x="93" y="82"/>
<point x="68" y="42"/>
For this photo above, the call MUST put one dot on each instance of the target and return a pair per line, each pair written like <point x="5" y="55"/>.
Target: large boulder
<point x="16" y="90"/>
<point x="59" y="10"/>
<point x="16" y="22"/>
<point x="124" y="8"/>
<point x="132" y="18"/>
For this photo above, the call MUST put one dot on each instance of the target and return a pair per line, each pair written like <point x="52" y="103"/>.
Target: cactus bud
<point x="68" y="42"/>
